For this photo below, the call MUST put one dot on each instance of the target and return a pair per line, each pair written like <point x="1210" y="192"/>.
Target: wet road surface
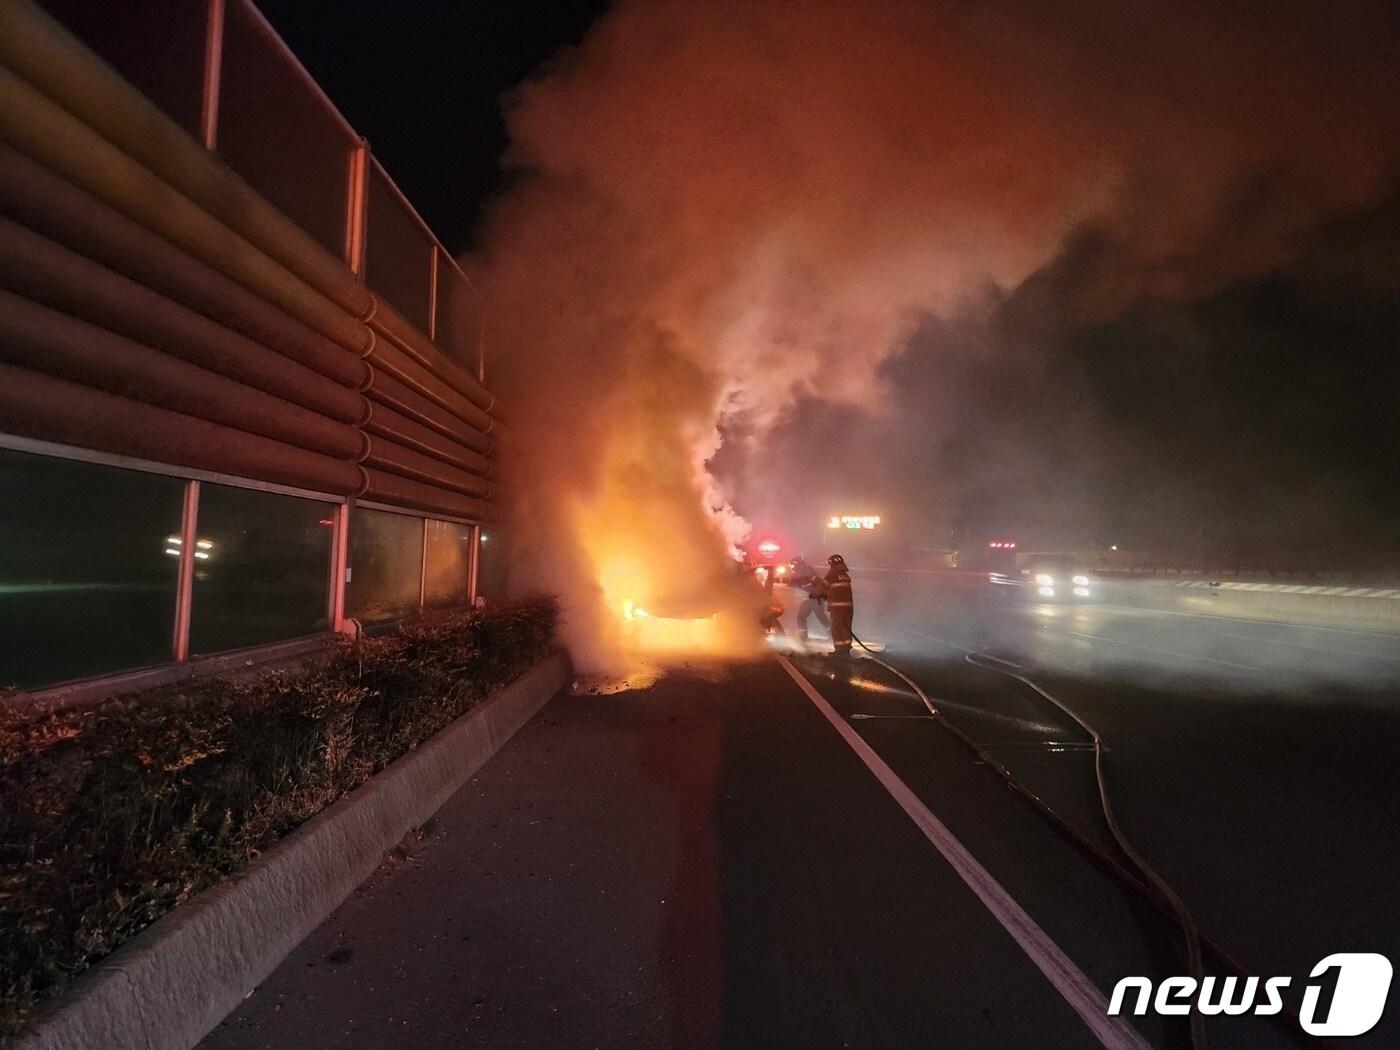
<point x="707" y="862"/>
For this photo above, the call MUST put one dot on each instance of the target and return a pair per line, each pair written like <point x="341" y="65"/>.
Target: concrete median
<point x="1322" y="605"/>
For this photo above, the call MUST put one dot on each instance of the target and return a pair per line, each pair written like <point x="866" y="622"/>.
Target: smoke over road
<point x="773" y="223"/>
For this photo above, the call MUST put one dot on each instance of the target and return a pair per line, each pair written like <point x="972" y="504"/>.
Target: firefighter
<point x="804" y="576"/>
<point x="841" y="602"/>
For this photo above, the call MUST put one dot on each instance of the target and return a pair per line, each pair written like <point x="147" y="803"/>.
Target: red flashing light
<point x="770" y="547"/>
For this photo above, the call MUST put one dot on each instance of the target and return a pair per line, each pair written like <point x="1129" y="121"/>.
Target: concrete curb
<point x="1341" y="608"/>
<point x="170" y="985"/>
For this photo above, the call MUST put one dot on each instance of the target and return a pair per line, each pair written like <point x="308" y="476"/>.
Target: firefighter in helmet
<point x="840" y="603"/>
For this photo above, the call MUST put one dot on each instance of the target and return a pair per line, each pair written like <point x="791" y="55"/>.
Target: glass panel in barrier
<point x="386" y="565"/>
<point x="87" y="578"/>
<point x="156" y="45"/>
<point x="398" y="254"/>
<point x="492" y="582"/>
<point x="449" y="564"/>
<point x="278" y="132"/>
<point x="262" y="566"/>
<point x="458" y="318"/>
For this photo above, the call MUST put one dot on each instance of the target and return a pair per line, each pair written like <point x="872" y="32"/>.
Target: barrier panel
<point x="276" y="129"/>
<point x="207" y="283"/>
<point x="157" y="45"/>
<point x="399" y="254"/>
<point x="457" y="327"/>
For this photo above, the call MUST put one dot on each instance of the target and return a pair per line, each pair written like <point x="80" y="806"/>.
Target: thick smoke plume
<point x="723" y="210"/>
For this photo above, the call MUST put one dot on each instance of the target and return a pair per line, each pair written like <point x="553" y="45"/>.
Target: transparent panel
<point x="386" y="565"/>
<point x="398" y="254"/>
<point x="449" y="564"/>
<point x="86" y="585"/>
<point x="156" y="45"/>
<point x="262" y="568"/>
<point x="492" y="581"/>
<point x="458" y="318"/>
<point x="277" y="132"/>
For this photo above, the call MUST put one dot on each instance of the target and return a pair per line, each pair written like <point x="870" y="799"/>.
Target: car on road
<point x="1052" y="578"/>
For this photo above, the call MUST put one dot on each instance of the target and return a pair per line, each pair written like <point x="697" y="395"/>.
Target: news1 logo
<point x="1345" y="996"/>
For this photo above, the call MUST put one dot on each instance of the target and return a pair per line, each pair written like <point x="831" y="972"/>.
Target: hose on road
<point x="1192" y="934"/>
<point x="1155" y="888"/>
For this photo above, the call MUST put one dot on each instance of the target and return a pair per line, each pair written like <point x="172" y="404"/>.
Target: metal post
<point x="184" y="587"/>
<point x="474" y="567"/>
<point x="213" y="72"/>
<point x="433" y="293"/>
<point x="356" y="199"/>
<point x="423" y="570"/>
<point x="340" y="551"/>
<point x="481" y="348"/>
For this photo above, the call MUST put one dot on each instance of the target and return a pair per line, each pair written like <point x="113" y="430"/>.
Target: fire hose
<point x="1146" y="881"/>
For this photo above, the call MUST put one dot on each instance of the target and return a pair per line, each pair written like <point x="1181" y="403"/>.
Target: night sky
<point x="423" y="81"/>
<point x="1207" y="366"/>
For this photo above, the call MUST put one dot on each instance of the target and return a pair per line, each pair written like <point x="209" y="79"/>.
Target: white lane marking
<point x="1044" y="728"/>
<point x="1314" y="648"/>
<point x="980" y="712"/>
<point x="935" y="638"/>
<point x="964" y="649"/>
<point x="1295" y="588"/>
<point x="1135" y="610"/>
<point x="1082" y="995"/>
<point x="999" y="660"/>
<point x="1154" y="649"/>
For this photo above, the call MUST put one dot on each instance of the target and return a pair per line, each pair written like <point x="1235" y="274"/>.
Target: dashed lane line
<point x="1153" y="649"/>
<point x="964" y="649"/>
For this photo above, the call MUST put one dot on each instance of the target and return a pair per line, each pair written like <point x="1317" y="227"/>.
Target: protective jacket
<point x="840" y="602"/>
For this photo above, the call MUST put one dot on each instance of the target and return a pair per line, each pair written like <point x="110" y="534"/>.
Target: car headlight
<point x="1081" y="581"/>
<point x="1081" y="592"/>
<point x="1047" y="592"/>
<point x="1045" y="579"/>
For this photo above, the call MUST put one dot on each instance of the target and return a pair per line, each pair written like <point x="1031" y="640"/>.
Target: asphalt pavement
<point x="722" y="859"/>
<point x="703" y="863"/>
<point x="1253" y="762"/>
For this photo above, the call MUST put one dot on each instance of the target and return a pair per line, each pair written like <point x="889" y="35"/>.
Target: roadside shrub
<point x="112" y="815"/>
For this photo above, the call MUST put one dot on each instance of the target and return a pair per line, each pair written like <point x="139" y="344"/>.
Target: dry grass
<point x="111" y="816"/>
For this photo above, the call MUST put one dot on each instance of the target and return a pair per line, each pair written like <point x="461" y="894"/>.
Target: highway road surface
<point x="793" y="852"/>
<point x="1252" y="762"/>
